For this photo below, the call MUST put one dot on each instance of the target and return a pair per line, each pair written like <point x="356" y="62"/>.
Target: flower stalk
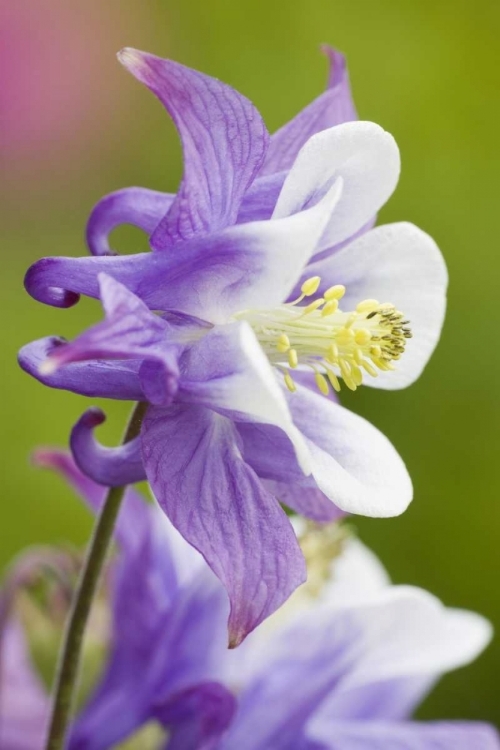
<point x="66" y="679"/>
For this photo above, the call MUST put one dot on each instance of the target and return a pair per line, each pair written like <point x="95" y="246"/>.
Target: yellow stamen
<point x="283" y="344"/>
<point x="310" y="286"/>
<point x="289" y="382"/>
<point x="331" y="307"/>
<point x="322" y="383"/>
<point x="335" y="292"/>
<point x="293" y="360"/>
<point x="330" y="341"/>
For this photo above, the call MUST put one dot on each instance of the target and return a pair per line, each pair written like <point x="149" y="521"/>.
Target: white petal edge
<point x="411" y="633"/>
<point x="367" y="159"/>
<point x="352" y="462"/>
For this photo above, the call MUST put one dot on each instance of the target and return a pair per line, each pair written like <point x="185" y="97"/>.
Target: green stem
<point x="68" y="667"/>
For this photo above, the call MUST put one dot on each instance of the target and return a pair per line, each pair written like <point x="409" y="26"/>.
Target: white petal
<point x="367" y="159"/>
<point x="411" y="633"/>
<point x="357" y="575"/>
<point x="395" y="263"/>
<point x="353" y="463"/>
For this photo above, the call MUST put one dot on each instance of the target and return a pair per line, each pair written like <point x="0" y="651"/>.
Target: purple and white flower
<point x="220" y="326"/>
<point x="341" y="666"/>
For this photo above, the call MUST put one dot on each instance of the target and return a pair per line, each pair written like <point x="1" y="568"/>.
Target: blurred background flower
<point x="75" y="126"/>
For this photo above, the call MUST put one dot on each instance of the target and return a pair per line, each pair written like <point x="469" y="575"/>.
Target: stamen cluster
<point x="333" y="343"/>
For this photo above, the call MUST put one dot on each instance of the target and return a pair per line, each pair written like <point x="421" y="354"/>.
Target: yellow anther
<point x="289" y="382"/>
<point x="376" y="351"/>
<point x="386" y="306"/>
<point x="283" y="344"/>
<point x="322" y="383"/>
<point x="362" y="336"/>
<point x="310" y="286"/>
<point x="369" y="368"/>
<point x="335" y="292"/>
<point x="346" y="374"/>
<point x="293" y="359"/>
<point x="331" y="307"/>
<point x="312" y="307"/>
<point x="345" y="336"/>
<point x="367" y="305"/>
<point x="333" y="353"/>
<point x="333" y="380"/>
<point x="356" y="374"/>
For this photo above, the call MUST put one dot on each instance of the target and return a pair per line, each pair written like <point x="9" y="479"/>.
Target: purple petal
<point x="259" y="201"/>
<point x="270" y="714"/>
<point x="101" y="379"/>
<point x="24" y="704"/>
<point x="215" y="500"/>
<point x="140" y="207"/>
<point x="248" y="265"/>
<point x="224" y="141"/>
<point x="410" y="736"/>
<point x="270" y="453"/>
<point x="129" y="331"/>
<point x="307" y="501"/>
<point x="198" y="716"/>
<point x="333" y="107"/>
<point x="112" y="467"/>
<point x="173" y="636"/>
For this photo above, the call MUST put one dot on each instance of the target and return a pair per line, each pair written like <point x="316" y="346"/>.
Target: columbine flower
<point x="245" y="308"/>
<point x="167" y="613"/>
<point x="342" y="665"/>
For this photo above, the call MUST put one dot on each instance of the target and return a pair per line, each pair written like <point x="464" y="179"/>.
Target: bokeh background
<point x="74" y="125"/>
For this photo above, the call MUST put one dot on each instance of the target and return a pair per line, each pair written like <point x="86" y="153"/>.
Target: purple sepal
<point x="224" y="141"/>
<point x="101" y="379"/>
<point x="222" y="509"/>
<point x="138" y="206"/>
<point x="197" y="716"/>
<point x="112" y="467"/>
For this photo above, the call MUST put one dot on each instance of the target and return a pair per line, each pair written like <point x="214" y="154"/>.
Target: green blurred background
<point x="77" y="126"/>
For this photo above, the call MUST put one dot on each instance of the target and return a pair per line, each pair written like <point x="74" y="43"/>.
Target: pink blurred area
<point x="60" y="84"/>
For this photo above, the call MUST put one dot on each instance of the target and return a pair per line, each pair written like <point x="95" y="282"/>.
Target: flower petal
<point x="228" y="371"/>
<point x="219" y="506"/>
<point x="261" y="198"/>
<point x="198" y="716"/>
<point x="140" y="207"/>
<point x="367" y="159"/>
<point x="395" y="263"/>
<point x="173" y="636"/>
<point x="112" y="467"/>
<point x="102" y="379"/>
<point x="331" y="108"/>
<point x="224" y="141"/>
<point x="459" y="735"/>
<point x="352" y="462"/>
<point x="24" y="704"/>
<point x="249" y="265"/>
<point x="130" y="331"/>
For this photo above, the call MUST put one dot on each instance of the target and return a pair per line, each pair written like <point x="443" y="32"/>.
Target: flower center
<point x="332" y="342"/>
